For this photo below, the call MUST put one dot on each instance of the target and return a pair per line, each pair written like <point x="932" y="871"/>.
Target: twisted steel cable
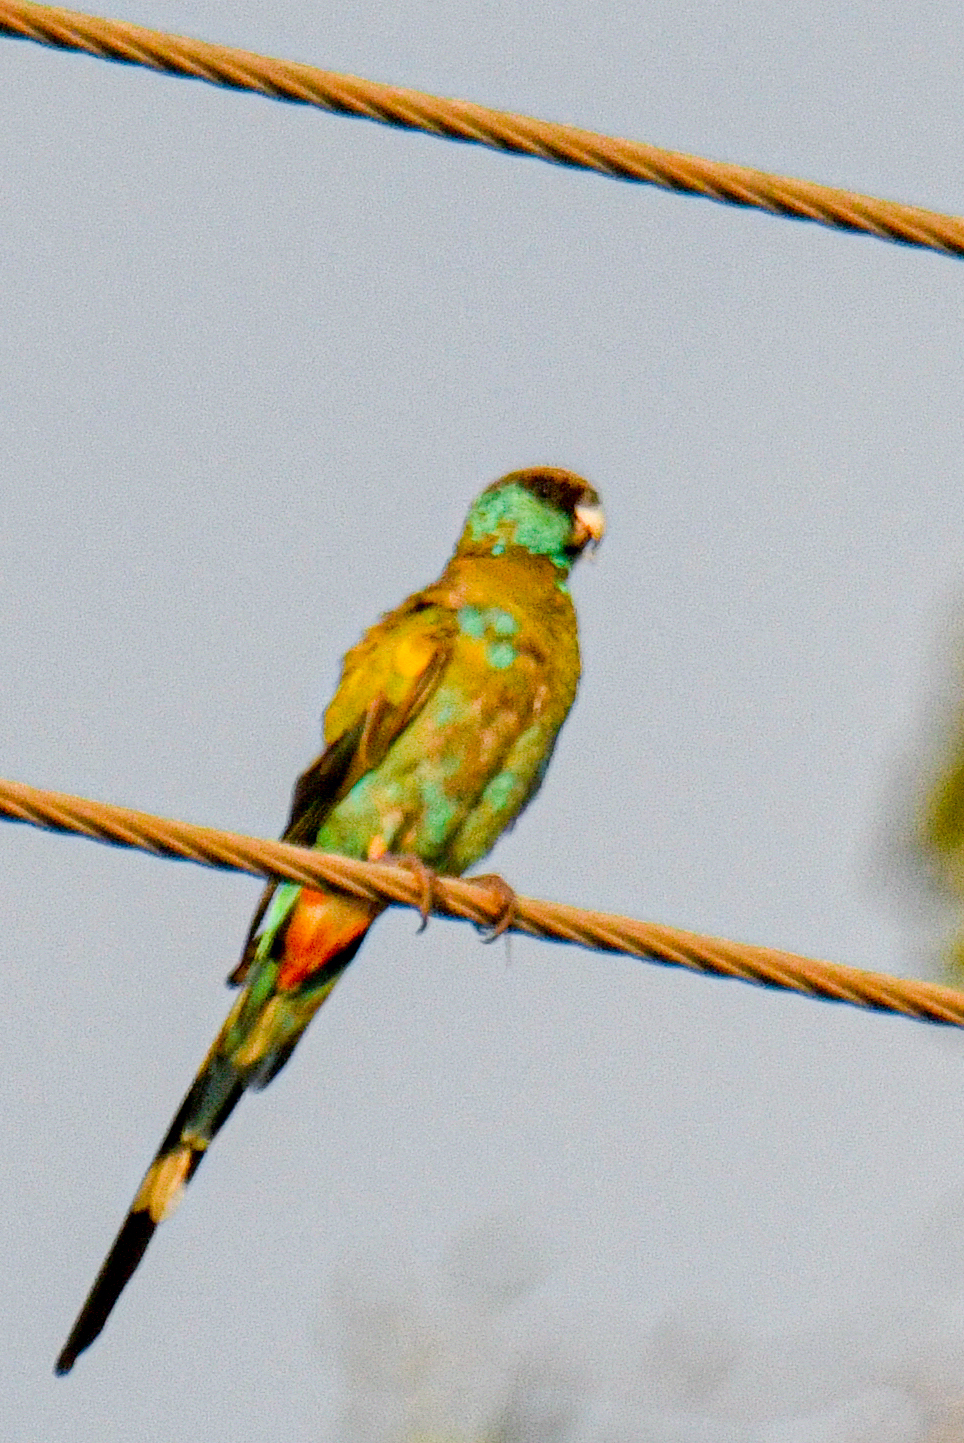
<point x="484" y="905"/>
<point x="477" y="124"/>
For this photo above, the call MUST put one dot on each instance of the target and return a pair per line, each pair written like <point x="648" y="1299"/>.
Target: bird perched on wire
<point x="439" y="734"/>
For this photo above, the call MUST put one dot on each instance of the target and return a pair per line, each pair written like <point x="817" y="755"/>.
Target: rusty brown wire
<point x="477" y="124"/>
<point x="478" y="903"/>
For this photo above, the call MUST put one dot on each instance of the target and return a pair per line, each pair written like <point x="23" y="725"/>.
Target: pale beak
<point x="589" y="525"/>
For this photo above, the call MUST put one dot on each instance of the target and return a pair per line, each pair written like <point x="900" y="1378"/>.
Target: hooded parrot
<point x="438" y="735"/>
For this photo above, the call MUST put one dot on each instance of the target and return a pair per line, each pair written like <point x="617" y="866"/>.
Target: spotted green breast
<point x="465" y="767"/>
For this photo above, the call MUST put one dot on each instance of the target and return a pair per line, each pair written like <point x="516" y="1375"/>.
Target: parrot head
<point x="544" y="510"/>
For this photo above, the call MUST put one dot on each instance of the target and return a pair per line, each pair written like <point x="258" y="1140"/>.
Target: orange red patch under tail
<point x="321" y="925"/>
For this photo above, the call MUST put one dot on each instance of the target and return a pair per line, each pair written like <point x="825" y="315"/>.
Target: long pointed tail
<point x="175" y="1163"/>
<point x="259" y="1035"/>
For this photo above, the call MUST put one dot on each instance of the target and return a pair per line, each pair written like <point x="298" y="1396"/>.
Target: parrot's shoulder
<point x="385" y="681"/>
<point x="394" y="661"/>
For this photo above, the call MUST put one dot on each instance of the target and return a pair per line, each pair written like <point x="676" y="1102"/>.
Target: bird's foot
<point x="425" y="874"/>
<point x="508" y="902"/>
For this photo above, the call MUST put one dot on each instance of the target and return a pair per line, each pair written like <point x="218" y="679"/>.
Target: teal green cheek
<point x="489" y="512"/>
<point x="501" y="654"/>
<point x="513" y="514"/>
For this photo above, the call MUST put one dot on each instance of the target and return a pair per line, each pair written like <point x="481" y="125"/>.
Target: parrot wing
<point x="386" y="680"/>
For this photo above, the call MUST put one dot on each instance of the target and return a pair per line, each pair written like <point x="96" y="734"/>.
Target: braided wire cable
<point x="476" y="901"/>
<point x="477" y="124"/>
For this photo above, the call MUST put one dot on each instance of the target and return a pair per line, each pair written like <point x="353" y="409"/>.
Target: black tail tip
<point x="64" y="1363"/>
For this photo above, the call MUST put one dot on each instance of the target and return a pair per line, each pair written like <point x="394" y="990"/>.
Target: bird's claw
<point x="508" y="902"/>
<point x="427" y="877"/>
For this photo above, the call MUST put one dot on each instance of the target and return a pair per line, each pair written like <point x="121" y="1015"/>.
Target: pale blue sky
<point x="256" y="361"/>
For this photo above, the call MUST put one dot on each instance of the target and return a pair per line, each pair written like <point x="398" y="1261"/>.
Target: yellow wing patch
<point x="413" y="654"/>
<point x="388" y="675"/>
